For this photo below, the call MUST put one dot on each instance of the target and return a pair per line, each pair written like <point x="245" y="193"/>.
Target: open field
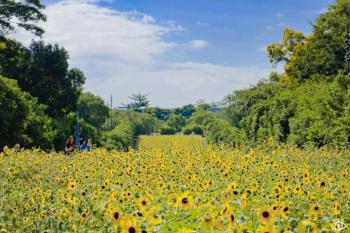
<point x="175" y="184"/>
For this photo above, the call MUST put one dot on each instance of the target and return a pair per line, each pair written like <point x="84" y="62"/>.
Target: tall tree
<point x="22" y="118"/>
<point x="139" y="102"/>
<point x="22" y="14"/>
<point x="322" y="53"/>
<point x="93" y="109"/>
<point x="42" y="70"/>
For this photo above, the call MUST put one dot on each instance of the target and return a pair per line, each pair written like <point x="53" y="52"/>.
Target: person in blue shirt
<point x="84" y="145"/>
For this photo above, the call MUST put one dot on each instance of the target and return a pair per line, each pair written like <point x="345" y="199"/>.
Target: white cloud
<point x="88" y="31"/>
<point x="177" y="84"/>
<point x="120" y="53"/>
<point x="198" y="44"/>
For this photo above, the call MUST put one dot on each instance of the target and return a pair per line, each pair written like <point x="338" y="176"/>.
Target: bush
<point x="167" y="130"/>
<point x="193" y="130"/>
<point x="120" y="138"/>
<point x="22" y="119"/>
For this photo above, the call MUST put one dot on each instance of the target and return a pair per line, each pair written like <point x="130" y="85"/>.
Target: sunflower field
<point x="176" y="184"/>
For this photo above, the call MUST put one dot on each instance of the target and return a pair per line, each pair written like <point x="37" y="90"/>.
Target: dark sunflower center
<point x="285" y="209"/>
<point x="116" y="215"/>
<point x="316" y="208"/>
<point x="184" y="200"/>
<point x="265" y="214"/>
<point x="143" y="202"/>
<point x="132" y="230"/>
<point x="323" y="183"/>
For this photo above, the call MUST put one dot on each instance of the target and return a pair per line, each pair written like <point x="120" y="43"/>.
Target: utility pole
<point x="347" y="49"/>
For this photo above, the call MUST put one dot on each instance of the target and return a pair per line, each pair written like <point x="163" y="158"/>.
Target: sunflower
<point x="336" y="208"/>
<point x="266" y="229"/>
<point x="143" y="203"/>
<point x="153" y="217"/>
<point x="84" y="215"/>
<point x="316" y="210"/>
<point x="129" y="225"/>
<point x="284" y="211"/>
<point x="184" y="201"/>
<point x="307" y="226"/>
<point x="265" y="215"/>
<point x="72" y="185"/>
<point x="116" y="216"/>
<point x="65" y="212"/>
<point x="232" y="186"/>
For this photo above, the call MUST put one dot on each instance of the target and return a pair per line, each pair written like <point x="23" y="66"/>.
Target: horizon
<point x="176" y="52"/>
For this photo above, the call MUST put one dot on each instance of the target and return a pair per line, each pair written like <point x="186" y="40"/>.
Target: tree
<point x="22" y="118"/>
<point x="176" y="121"/>
<point x="93" y="109"/>
<point x="185" y="111"/>
<point x="279" y="52"/>
<point x="120" y="138"/>
<point x="42" y="70"/>
<point x="140" y="102"/>
<point x="319" y="55"/>
<point x="23" y="14"/>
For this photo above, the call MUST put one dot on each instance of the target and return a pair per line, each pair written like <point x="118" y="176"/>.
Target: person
<point x="70" y="146"/>
<point x="84" y="145"/>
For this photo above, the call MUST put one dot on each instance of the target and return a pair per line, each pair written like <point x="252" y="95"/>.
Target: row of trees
<point x="309" y="103"/>
<point x="38" y="90"/>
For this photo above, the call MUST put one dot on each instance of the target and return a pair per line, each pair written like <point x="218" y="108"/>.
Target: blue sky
<point x="234" y="29"/>
<point x="176" y="51"/>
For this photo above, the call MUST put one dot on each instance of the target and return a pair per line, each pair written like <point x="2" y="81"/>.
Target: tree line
<point x="308" y="104"/>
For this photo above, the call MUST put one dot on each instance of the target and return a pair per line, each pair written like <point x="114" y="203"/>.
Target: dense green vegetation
<point x="306" y="105"/>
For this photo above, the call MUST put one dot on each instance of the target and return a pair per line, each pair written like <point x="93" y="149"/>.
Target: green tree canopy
<point x="22" y="118"/>
<point x="139" y="102"/>
<point x="23" y="14"/>
<point x="320" y="53"/>
<point x="176" y="121"/>
<point x="93" y="109"/>
<point x="42" y="70"/>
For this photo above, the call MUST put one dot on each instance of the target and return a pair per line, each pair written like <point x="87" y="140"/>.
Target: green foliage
<point x="91" y="132"/>
<point x="185" y="111"/>
<point x="176" y="121"/>
<point x="42" y="70"/>
<point x="23" y="14"/>
<point x="159" y="113"/>
<point x="93" y="109"/>
<point x="308" y="105"/>
<point x="217" y="130"/>
<point x="304" y="114"/>
<point x="22" y="118"/>
<point x="63" y="127"/>
<point x="139" y="103"/>
<point x="193" y="130"/>
<point x="144" y="123"/>
<point x="141" y="124"/>
<point x="120" y="138"/>
<point x="322" y="52"/>
<point x="167" y="130"/>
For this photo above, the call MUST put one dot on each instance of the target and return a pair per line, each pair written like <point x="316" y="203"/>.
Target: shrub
<point x="167" y="130"/>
